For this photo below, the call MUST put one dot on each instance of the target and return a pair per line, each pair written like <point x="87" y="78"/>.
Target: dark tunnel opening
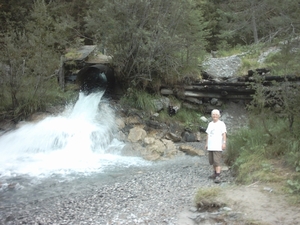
<point x="96" y="78"/>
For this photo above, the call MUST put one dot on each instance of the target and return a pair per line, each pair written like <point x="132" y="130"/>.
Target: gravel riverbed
<point x="156" y="194"/>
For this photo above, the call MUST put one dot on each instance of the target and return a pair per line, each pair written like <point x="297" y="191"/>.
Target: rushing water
<point x="80" y="142"/>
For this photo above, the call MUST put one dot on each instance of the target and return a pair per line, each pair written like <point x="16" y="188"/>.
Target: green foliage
<point x="292" y="155"/>
<point x="283" y="95"/>
<point x="138" y="99"/>
<point x="13" y="13"/>
<point x="236" y="50"/>
<point x="250" y="149"/>
<point x="28" y="62"/>
<point x="269" y="135"/>
<point x="294" y="185"/>
<point x="248" y="64"/>
<point x="189" y="118"/>
<point x="247" y="22"/>
<point x="286" y="61"/>
<point x="255" y="167"/>
<point x="243" y="142"/>
<point x="164" y="117"/>
<point x="213" y="16"/>
<point x="150" y="40"/>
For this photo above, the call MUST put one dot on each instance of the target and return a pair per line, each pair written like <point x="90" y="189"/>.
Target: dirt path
<point x="255" y="204"/>
<point x="262" y="203"/>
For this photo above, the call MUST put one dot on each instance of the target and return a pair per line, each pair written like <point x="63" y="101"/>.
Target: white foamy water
<point x="80" y="140"/>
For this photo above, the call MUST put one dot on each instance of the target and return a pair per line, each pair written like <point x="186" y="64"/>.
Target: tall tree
<point x="250" y="21"/>
<point x="212" y="16"/>
<point x="29" y="59"/>
<point x="13" y="13"/>
<point x="149" y="40"/>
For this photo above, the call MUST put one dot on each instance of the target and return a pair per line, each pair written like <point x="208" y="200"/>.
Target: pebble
<point x="155" y="195"/>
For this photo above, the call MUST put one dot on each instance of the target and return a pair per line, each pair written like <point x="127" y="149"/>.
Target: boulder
<point x="223" y="67"/>
<point x="136" y="134"/>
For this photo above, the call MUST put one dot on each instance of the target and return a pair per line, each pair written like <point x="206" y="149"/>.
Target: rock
<point x="38" y="116"/>
<point x="152" y="157"/>
<point x="120" y="123"/>
<point x="264" y="55"/>
<point x="154" y="124"/>
<point x="190" y="150"/>
<point x="173" y="137"/>
<point x="224" y="67"/>
<point x="136" y="134"/>
<point x="156" y="147"/>
<point x="198" y="136"/>
<point x="161" y="103"/>
<point x="204" y="119"/>
<point x="170" y="146"/>
<point x="155" y="114"/>
<point x="133" y="120"/>
<point x="121" y="136"/>
<point x="214" y="101"/>
<point x="149" y="140"/>
<point x="188" y="137"/>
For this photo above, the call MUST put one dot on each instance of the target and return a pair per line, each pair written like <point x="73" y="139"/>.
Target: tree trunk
<point x="254" y="27"/>
<point x="61" y="74"/>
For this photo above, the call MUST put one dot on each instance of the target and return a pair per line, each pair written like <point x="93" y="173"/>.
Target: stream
<point x="62" y="153"/>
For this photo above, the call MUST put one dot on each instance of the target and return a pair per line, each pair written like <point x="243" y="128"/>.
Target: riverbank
<point x="162" y="193"/>
<point x="147" y="195"/>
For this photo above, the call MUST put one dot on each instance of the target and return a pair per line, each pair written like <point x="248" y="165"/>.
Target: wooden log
<point x="215" y="95"/>
<point x="188" y="95"/>
<point x="245" y="80"/>
<point x="218" y="88"/>
<point x="220" y="83"/>
<point x="228" y="89"/>
<point x="282" y="78"/>
<point x="166" y="91"/>
<point x="194" y="100"/>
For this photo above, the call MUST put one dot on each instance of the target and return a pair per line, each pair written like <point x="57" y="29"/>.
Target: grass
<point x="138" y="99"/>
<point x="188" y="118"/>
<point x="284" y="62"/>
<point x="255" y="156"/>
<point x="207" y="198"/>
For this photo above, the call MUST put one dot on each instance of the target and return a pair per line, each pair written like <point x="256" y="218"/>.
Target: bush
<point x="250" y="150"/>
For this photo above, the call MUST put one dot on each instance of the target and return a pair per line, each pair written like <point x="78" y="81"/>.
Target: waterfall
<point x="82" y="140"/>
